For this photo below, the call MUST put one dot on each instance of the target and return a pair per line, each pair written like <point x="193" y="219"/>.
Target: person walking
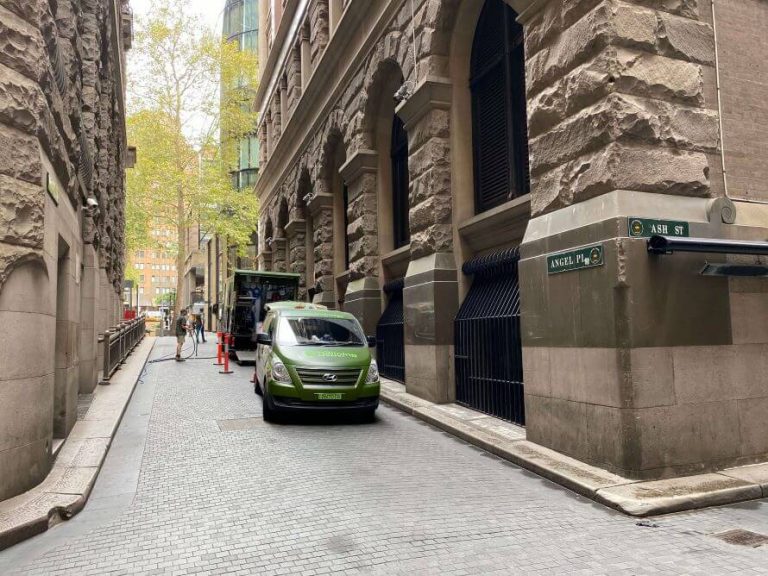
<point x="181" y="332"/>
<point x="199" y="328"/>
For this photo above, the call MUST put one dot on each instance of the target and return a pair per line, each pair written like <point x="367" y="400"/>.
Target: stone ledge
<point x="633" y="497"/>
<point x="65" y="490"/>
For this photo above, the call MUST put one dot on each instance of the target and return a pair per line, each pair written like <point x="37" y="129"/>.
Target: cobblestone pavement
<point x="222" y="492"/>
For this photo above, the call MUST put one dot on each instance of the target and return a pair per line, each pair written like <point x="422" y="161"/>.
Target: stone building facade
<point x="62" y="159"/>
<point x="540" y="133"/>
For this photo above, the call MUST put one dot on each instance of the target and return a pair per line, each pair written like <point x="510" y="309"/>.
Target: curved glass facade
<point x="241" y="25"/>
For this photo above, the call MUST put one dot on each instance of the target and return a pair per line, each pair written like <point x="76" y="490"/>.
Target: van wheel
<point x="256" y="387"/>
<point x="367" y="416"/>
<point x="267" y="411"/>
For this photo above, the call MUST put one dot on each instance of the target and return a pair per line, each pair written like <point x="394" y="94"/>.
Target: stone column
<point x="265" y="260"/>
<point x="318" y="20"/>
<point x="633" y="362"/>
<point x="102" y="317"/>
<point x="430" y="297"/>
<point x="279" y="254"/>
<point x="295" y="233"/>
<point x="363" y="297"/>
<point x="320" y="205"/>
<point x="294" y="87"/>
<point x="89" y="297"/>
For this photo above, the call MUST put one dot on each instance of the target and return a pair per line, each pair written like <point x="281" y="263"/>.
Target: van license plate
<point x="329" y="395"/>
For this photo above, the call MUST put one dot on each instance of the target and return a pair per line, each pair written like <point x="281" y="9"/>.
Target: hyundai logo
<point x="329" y="377"/>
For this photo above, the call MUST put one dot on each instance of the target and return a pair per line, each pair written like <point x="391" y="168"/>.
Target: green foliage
<point x="165" y="299"/>
<point x="178" y="115"/>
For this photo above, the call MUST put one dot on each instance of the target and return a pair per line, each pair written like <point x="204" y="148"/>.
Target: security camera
<point x="92" y="202"/>
<point x="403" y="93"/>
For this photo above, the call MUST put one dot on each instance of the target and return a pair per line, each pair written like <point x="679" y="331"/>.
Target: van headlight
<point x="280" y="372"/>
<point x="373" y="373"/>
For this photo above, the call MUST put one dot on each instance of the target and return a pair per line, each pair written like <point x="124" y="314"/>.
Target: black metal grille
<point x="390" y="337"/>
<point x="321" y="377"/>
<point x="488" y="347"/>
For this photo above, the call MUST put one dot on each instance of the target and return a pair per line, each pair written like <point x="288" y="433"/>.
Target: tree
<point x="165" y="299"/>
<point x="178" y="113"/>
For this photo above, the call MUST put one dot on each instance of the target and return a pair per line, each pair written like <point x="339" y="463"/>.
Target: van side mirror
<point x="371" y="341"/>
<point x="264" y="339"/>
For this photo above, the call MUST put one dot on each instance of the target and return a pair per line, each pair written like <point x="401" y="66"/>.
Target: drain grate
<point x="741" y="537"/>
<point x="239" y="424"/>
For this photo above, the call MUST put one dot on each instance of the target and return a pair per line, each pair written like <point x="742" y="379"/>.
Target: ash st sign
<point x="646" y="227"/>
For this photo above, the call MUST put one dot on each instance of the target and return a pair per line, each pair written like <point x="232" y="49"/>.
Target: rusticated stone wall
<point x="61" y="264"/>
<point x="58" y="94"/>
<point x="617" y="100"/>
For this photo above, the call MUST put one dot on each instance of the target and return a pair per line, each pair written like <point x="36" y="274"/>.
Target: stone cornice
<point x="294" y="226"/>
<point x="361" y="162"/>
<point x="318" y="202"/>
<point x="433" y="92"/>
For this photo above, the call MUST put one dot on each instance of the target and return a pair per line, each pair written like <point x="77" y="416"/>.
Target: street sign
<point x="579" y="259"/>
<point x="646" y="227"/>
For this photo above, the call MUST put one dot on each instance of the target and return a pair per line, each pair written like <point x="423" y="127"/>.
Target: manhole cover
<point x="743" y="538"/>
<point x="239" y="424"/>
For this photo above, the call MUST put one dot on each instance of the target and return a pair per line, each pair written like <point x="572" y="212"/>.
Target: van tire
<point x="267" y="411"/>
<point x="256" y="387"/>
<point x="367" y="416"/>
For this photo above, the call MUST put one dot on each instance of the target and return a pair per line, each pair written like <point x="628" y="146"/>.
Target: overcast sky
<point x="210" y="10"/>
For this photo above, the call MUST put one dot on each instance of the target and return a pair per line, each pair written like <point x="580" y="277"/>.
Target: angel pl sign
<point x="579" y="259"/>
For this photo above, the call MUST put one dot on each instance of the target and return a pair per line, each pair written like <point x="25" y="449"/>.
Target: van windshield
<point x="297" y="331"/>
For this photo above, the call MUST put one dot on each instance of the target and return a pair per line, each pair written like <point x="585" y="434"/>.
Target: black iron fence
<point x="488" y="347"/>
<point x="118" y="342"/>
<point x="390" y="337"/>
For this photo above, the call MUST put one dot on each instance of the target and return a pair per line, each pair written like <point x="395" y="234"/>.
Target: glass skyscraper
<point x="241" y="25"/>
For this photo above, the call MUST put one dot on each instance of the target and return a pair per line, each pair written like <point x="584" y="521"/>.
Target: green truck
<point x="246" y="295"/>
<point x="310" y="358"/>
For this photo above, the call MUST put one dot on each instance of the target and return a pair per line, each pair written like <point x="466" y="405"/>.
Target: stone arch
<point x="392" y="50"/>
<point x="437" y="28"/>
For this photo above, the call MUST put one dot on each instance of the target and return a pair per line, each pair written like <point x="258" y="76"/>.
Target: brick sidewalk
<point x="222" y="492"/>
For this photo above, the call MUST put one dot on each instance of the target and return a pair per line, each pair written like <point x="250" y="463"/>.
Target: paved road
<point x="196" y="482"/>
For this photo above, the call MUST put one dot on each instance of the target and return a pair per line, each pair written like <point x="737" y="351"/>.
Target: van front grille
<point x="321" y="377"/>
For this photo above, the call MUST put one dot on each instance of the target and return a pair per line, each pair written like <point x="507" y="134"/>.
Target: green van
<point x="309" y="358"/>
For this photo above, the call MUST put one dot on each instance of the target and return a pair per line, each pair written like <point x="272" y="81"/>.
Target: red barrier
<point x="219" y="348"/>
<point x="227" y="340"/>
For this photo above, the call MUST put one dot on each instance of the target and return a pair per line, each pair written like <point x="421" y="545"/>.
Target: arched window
<point x="499" y="123"/>
<point x="399" y="155"/>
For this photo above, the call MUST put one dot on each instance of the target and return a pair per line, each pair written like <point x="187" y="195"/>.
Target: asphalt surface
<point x="197" y="483"/>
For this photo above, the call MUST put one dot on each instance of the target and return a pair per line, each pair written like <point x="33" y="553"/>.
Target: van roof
<point x="313" y="313"/>
<point x="292" y="305"/>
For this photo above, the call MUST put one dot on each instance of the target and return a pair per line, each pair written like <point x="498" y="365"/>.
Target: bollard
<point x="218" y="362"/>
<point x="227" y="340"/>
